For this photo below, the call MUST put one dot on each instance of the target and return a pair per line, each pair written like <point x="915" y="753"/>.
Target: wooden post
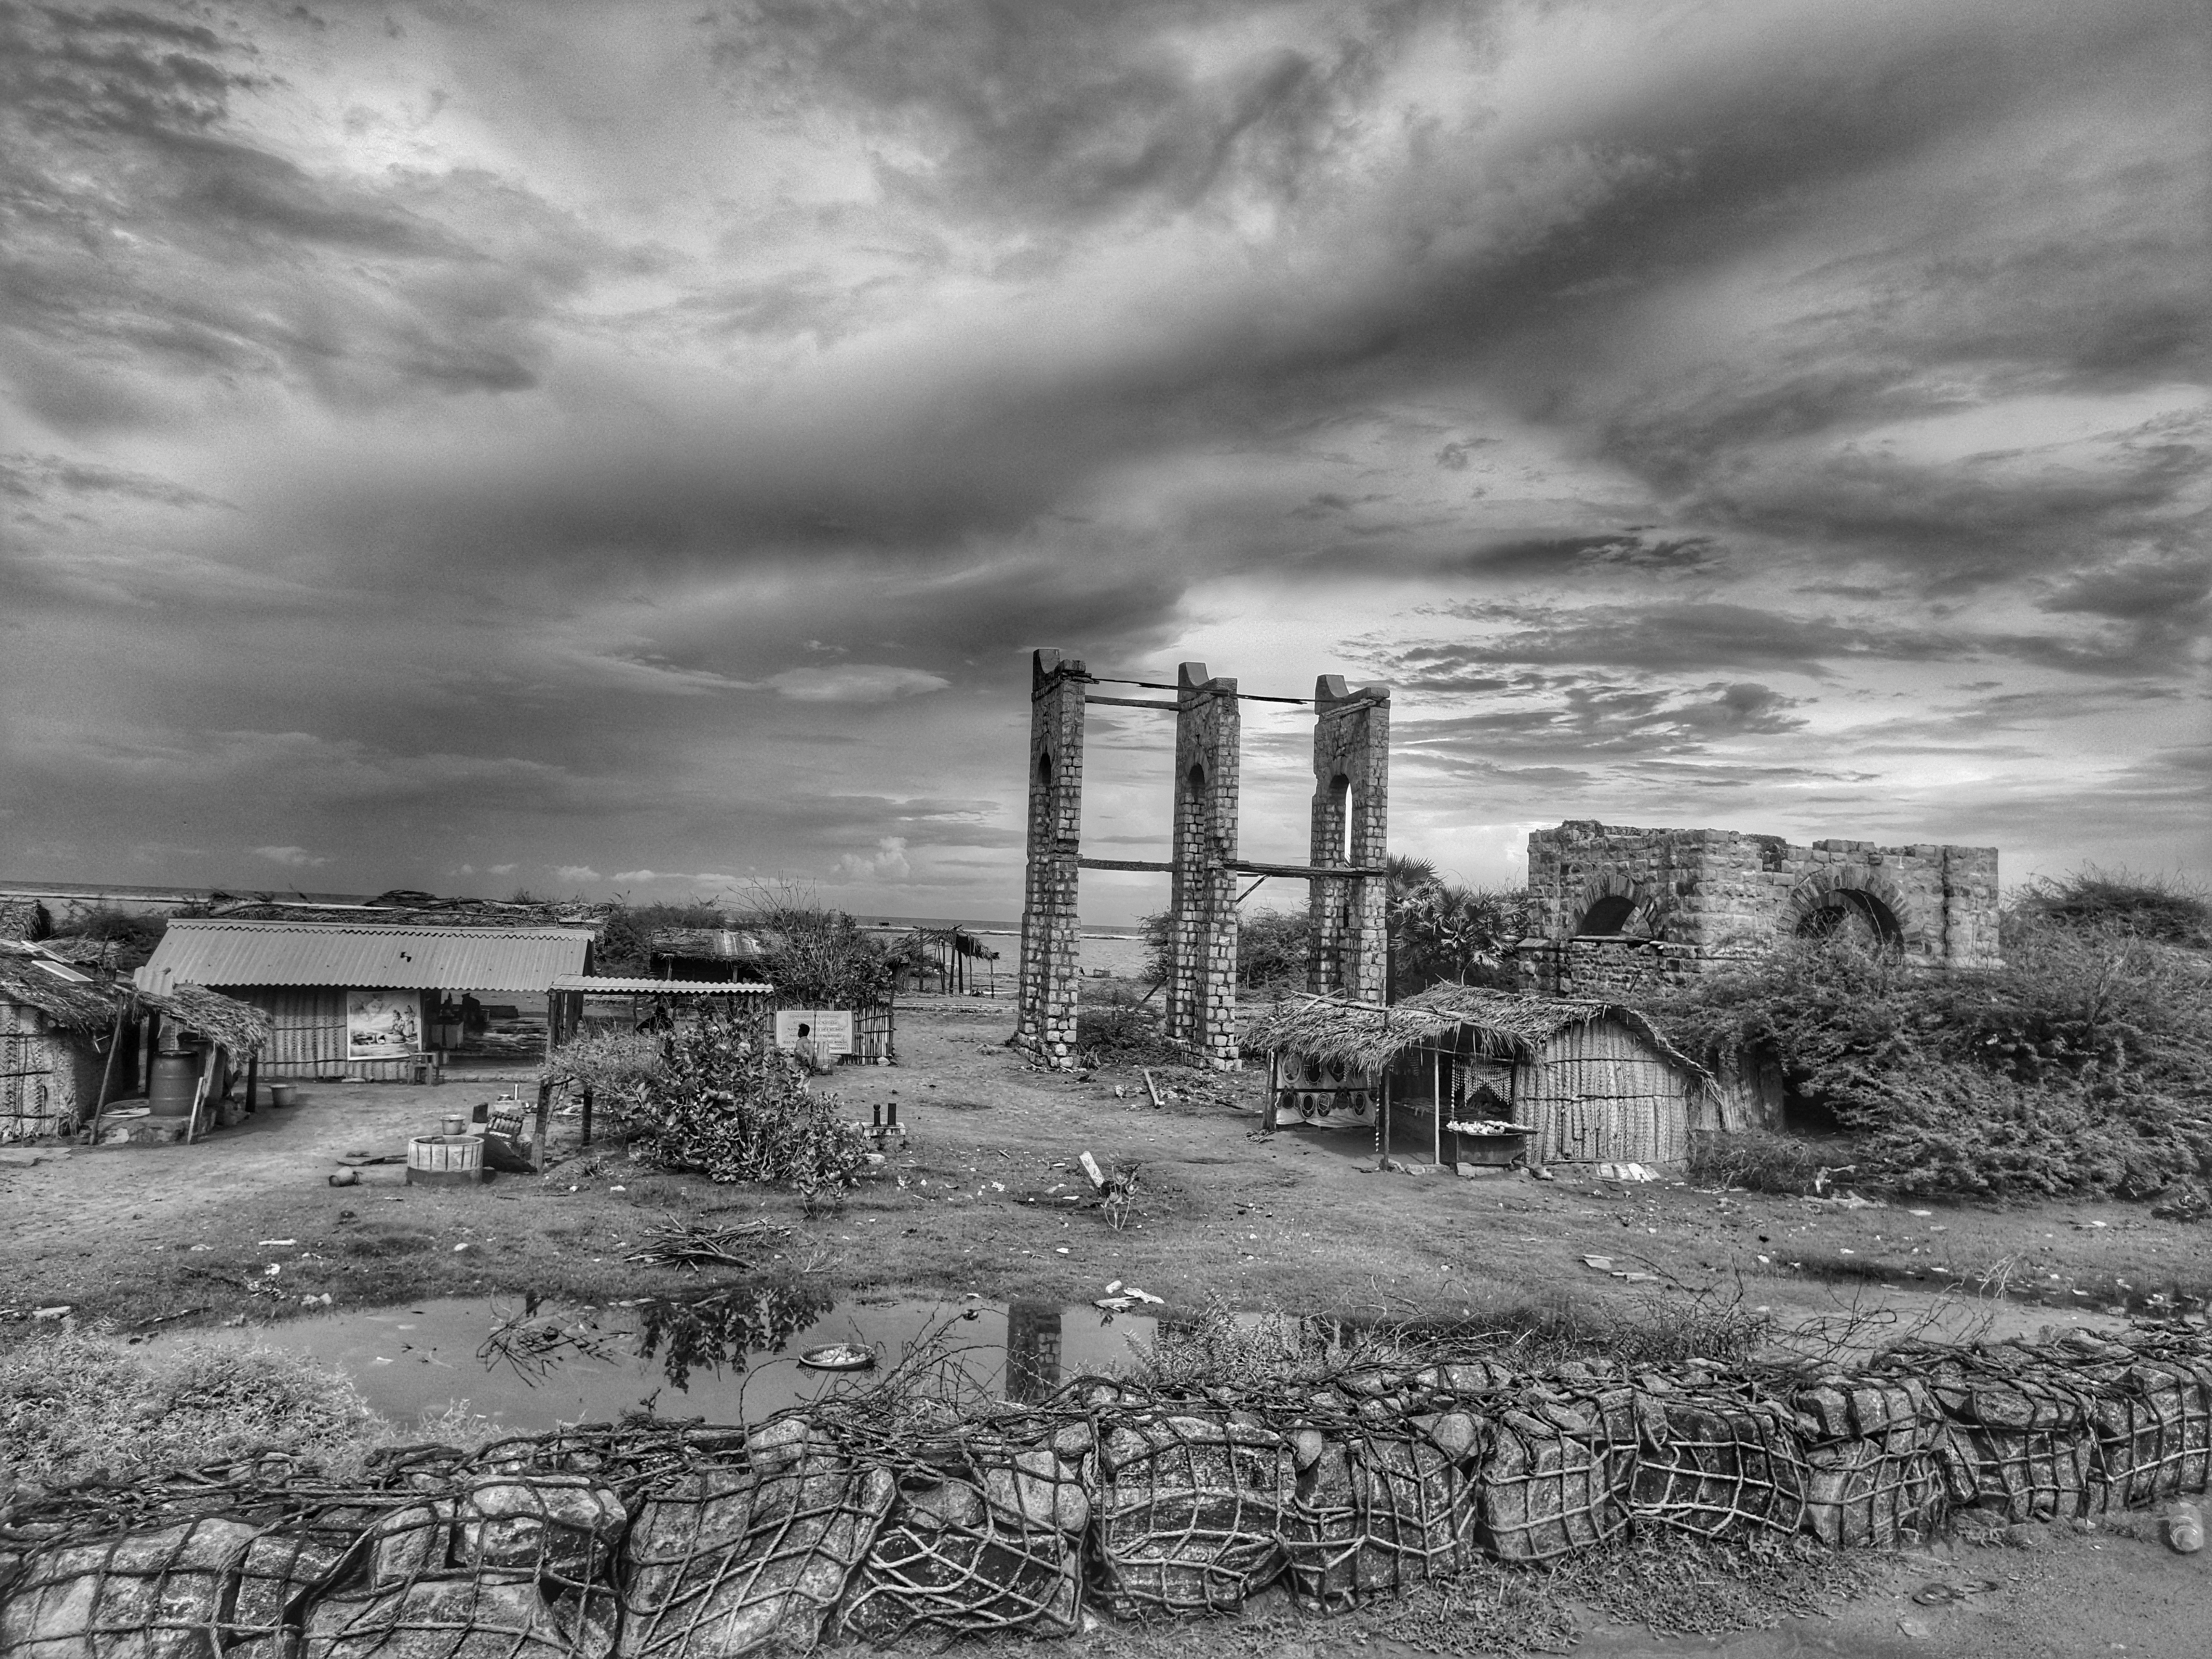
<point x="1382" y="1121"/>
<point x="587" y="1115"/>
<point x="1274" y="1071"/>
<point x="544" y="1119"/>
<point x="107" y="1072"/>
<point x="1438" y="1093"/>
<point x="252" y="1080"/>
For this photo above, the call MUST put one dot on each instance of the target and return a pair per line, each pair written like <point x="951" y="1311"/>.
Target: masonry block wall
<point x="1045" y="1020"/>
<point x="1351" y="822"/>
<point x="1618" y="909"/>
<point x="1202" y="1009"/>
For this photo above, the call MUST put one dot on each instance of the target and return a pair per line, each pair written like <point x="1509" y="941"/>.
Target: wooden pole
<point x="1274" y="1071"/>
<point x="1383" y="1122"/>
<point x="544" y="1119"/>
<point x="1439" y="1100"/>
<point x="107" y="1072"/>
<point x="587" y="1115"/>
<point x="253" y="1080"/>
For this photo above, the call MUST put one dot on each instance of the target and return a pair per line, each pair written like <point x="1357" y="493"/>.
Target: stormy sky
<point x="635" y="448"/>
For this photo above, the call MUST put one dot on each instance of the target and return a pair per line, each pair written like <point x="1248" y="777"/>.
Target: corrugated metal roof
<point x="681" y="987"/>
<point x="221" y="952"/>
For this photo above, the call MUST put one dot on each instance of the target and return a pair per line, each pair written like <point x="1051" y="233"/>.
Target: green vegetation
<point x="2162" y="907"/>
<point x="2084" y="1066"/>
<point x="134" y="936"/>
<point x="72" y="1404"/>
<point x="730" y="1108"/>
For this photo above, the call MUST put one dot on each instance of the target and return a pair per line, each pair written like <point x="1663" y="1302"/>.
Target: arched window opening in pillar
<point x="1607" y="917"/>
<point x="1847" y="912"/>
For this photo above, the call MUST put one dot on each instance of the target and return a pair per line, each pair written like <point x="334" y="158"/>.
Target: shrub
<point x="1441" y="932"/>
<point x="2083" y="1065"/>
<point x="134" y="936"/>
<point x="1119" y="1028"/>
<point x="72" y="1403"/>
<point x="733" y="1109"/>
<point x="2163" y="907"/>
<point x="617" y="1067"/>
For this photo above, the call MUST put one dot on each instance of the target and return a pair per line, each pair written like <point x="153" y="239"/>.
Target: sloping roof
<point x="708" y="944"/>
<point x="203" y="951"/>
<point x="238" y="1026"/>
<point x="1503" y="1026"/>
<point x="21" y="917"/>
<point x="658" y="987"/>
<point x="74" y="1000"/>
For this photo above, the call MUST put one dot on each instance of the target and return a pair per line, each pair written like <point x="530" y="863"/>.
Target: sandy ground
<point x="976" y="1197"/>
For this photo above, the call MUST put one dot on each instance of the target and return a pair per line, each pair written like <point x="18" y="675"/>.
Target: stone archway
<point x="1613" y="904"/>
<point x="1860" y="901"/>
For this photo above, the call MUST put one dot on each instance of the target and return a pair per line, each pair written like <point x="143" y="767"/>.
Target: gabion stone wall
<point x="857" y="1515"/>
<point x="1619" y="909"/>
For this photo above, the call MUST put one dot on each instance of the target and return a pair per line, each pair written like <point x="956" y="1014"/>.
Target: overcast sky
<point x="635" y="448"/>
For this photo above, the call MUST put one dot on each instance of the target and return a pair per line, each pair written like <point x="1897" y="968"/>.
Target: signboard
<point x="830" y="1030"/>
<point x="383" y="1024"/>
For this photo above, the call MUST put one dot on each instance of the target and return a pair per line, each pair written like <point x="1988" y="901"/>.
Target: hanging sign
<point x="830" y="1030"/>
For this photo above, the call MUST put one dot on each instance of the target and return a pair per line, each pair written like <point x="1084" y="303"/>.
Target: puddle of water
<point x="730" y="1356"/>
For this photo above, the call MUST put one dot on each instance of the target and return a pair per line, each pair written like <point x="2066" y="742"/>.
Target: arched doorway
<point x="1605" y="918"/>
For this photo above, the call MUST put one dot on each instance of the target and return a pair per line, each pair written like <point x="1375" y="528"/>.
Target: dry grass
<point x="72" y="1404"/>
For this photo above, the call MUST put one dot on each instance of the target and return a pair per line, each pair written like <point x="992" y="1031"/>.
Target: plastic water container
<point x="2184" y="1528"/>
<point x="175" y="1080"/>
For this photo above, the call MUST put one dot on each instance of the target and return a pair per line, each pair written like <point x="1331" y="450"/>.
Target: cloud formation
<point x="430" y="451"/>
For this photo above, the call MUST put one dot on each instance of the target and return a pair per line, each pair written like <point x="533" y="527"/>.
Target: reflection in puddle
<point x="728" y="1355"/>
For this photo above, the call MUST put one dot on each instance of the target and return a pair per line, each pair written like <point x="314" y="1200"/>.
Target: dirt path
<point x="978" y="1196"/>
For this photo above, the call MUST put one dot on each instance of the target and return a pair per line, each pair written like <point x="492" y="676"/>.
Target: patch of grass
<point x="1762" y="1161"/>
<point x="73" y="1403"/>
<point x="380" y="1244"/>
<point x="1120" y="1029"/>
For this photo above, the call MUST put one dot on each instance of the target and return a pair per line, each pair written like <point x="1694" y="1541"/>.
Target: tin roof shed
<point x="365" y="954"/>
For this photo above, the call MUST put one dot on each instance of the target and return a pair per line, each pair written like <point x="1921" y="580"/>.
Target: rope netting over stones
<point x="882" y="1516"/>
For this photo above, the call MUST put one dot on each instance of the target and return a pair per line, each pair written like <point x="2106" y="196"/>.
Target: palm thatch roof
<point x="77" y="1001"/>
<point x="73" y="1000"/>
<point x="238" y="1026"/>
<point x="1495" y="1024"/>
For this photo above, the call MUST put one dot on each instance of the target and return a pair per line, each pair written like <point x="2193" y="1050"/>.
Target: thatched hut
<point x="69" y="1039"/>
<point x="1589" y="1082"/>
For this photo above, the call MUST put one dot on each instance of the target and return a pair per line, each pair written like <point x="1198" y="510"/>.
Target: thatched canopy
<point x="1495" y="1024"/>
<point x="77" y="1001"/>
<point x="238" y="1026"/>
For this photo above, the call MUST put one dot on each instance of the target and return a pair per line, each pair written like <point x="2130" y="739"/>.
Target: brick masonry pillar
<point x="1351" y="823"/>
<point x="1045" y="1019"/>
<point x="1202" y="1012"/>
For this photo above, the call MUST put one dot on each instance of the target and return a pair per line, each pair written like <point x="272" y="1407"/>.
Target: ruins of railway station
<point x="1621" y="911"/>
<point x="1618" y="911"/>
<point x="1347" y="873"/>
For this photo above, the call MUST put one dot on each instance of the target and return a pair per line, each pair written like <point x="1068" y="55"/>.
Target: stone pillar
<point x="1202" y="1012"/>
<point x="1350" y="817"/>
<point x="1045" y="1021"/>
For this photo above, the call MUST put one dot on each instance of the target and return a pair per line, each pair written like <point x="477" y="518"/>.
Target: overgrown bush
<point x="1444" y="933"/>
<point x="2083" y="1065"/>
<point x="819" y="957"/>
<point x="1120" y="1028"/>
<point x="733" y="1109"/>
<point x="2162" y="907"/>
<point x="1762" y="1161"/>
<point x="617" y="1067"/>
<point x="73" y="1403"/>
<point x="132" y="935"/>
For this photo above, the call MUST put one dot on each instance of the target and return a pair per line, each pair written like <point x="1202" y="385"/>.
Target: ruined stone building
<point x="1618" y="910"/>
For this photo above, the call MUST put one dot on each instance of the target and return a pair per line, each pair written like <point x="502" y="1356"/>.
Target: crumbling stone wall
<point x="863" y="1516"/>
<point x="1045" y="1015"/>
<point x="1618" y="909"/>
